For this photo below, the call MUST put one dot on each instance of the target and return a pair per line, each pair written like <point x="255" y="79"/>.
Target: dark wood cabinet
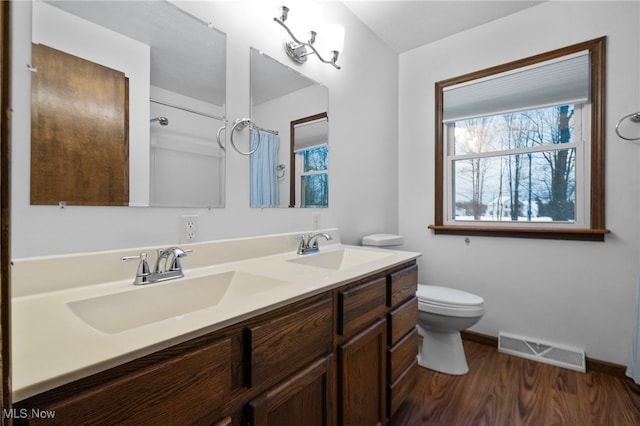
<point x="402" y="339"/>
<point x="361" y="305"/>
<point x="79" y="131"/>
<point x="175" y="391"/>
<point x="303" y="399"/>
<point x="345" y="356"/>
<point x="282" y="345"/>
<point x="361" y="373"/>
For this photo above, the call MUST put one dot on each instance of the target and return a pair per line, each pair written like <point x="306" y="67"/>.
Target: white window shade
<point x="555" y="82"/>
<point x="311" y="135"/>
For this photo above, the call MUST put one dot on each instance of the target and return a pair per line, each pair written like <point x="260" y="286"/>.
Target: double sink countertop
<point x="64" y="329"/>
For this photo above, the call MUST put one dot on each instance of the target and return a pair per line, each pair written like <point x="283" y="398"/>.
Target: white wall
<point x="574" y="293"/>
<point x="363" y="104"/>
<point x="187" y="164"/>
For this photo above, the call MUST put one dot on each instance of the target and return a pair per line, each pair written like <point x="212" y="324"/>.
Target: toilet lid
<point x="447" y="296"/>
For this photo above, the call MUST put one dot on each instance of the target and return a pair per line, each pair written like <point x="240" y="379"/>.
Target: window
<point x="520" y="148"/>
<point x="314" y="177"/>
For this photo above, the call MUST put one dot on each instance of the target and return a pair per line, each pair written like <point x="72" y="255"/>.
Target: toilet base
<point x="442" y="352"/>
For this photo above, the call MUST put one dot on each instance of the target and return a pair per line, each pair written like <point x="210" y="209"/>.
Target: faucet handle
<point x="171" y="257"/>
<point x="143" y="272"/>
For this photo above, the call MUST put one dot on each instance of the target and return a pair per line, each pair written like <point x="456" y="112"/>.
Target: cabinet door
<point x="303" y="399"/>
<point x="361" y="386"/>
<point x="79" y="131"/>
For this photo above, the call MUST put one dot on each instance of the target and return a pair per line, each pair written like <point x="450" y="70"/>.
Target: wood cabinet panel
<point x="79" y="131"/>
<point x="360" y="306"/>
<point x="402" y="355"/>
<point x="399" y="390"/>
<point x="177" y="391"/>
<point x="402" y="320"/>
<point x="361" y="386"/>
<point x="303" y="399"/>
<point x="402" y="285"/>
<point x="278" y="347"/>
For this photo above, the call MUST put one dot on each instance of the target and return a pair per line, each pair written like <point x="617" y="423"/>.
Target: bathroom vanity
<point x="336" y="345"/>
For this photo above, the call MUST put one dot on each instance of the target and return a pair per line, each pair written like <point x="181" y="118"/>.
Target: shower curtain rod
<point x="255" y="126"/>
<point x="193" y="111"/>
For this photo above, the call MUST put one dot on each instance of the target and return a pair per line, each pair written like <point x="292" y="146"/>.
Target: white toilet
<point x="443" y="314"/>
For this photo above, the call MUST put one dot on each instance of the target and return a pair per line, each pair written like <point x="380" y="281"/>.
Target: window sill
<point x="538" y="233"/>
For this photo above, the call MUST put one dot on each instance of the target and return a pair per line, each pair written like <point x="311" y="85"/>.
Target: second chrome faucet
<point x="168" y="266"/>
<point x="309" y="243"/>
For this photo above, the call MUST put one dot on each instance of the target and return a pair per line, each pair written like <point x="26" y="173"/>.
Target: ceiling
<point x="186" y="55"/>
<point x="405" y="25"/>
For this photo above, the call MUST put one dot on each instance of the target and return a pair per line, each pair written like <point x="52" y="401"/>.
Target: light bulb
<point x="334" y="38"/>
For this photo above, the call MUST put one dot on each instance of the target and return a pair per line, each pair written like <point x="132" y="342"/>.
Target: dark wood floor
<point x="506" y="390"/>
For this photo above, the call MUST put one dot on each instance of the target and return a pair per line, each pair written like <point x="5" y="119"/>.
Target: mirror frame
<point x="292" y="153"/>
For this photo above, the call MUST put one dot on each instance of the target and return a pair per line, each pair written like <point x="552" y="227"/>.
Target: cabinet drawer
<point x="402" y="320"/>
<point x="398" y="391"/>
<point x="360" y="306"/>
<point x="283" y="345"/>
<point x="402" y="285"/>
<point x="400" y="356"/>
<point x="191" y="386"/>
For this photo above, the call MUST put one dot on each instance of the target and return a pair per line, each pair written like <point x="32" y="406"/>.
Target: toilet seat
<point x="449" y="297"/>
<point x="449" y="301"/>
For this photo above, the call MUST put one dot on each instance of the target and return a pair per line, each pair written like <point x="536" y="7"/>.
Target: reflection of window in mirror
<point x="309" y="162"/>
<point x="520" y="148"/>
<point x="313" y="176"/>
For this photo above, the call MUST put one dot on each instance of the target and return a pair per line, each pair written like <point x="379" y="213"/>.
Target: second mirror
<point x="290" y="168"/>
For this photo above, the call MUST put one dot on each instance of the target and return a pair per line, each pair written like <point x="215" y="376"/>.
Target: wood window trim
<point x="596" y="230"/>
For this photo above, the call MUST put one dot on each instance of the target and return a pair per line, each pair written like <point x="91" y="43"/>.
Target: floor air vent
<point x="543" y="352"/>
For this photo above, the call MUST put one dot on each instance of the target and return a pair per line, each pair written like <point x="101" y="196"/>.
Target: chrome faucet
<point x="309" y="243"/>
<point x="168" y="266"/>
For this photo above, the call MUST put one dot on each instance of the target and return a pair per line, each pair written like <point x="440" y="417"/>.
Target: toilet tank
<point x="382" y="240"/>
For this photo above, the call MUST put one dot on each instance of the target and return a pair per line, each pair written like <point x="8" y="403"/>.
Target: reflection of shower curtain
<point x="633" y="369"/>
<point x="264" y="163"/>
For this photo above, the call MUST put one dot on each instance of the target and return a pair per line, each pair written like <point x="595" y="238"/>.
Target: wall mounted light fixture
<point x="309" y="20"/>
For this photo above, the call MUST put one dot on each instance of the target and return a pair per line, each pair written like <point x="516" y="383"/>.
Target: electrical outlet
<point x="188" y="229"/>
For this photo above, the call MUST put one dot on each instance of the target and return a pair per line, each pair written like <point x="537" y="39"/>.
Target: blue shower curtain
<point x="633" y="369"/>
<point x="264" y="162"/>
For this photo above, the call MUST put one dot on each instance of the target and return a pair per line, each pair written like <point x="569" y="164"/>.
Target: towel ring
<point x="218" y="136"/>
<point x="634" y="118"/>
<point x="241" y="124"/>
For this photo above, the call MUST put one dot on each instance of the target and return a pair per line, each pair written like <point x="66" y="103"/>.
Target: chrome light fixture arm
<point x="296" y="49"/>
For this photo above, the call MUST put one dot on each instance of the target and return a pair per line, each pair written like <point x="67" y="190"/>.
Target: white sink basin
<point x="340" y="259"/>
<point x="142" y="305"/>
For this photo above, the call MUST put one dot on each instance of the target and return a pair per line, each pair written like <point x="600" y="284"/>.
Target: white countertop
<point x="52" y="346"/>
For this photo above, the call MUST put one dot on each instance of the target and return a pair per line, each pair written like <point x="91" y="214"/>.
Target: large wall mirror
<point x="290" y="168"/>
<point x="137" y="126"/>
